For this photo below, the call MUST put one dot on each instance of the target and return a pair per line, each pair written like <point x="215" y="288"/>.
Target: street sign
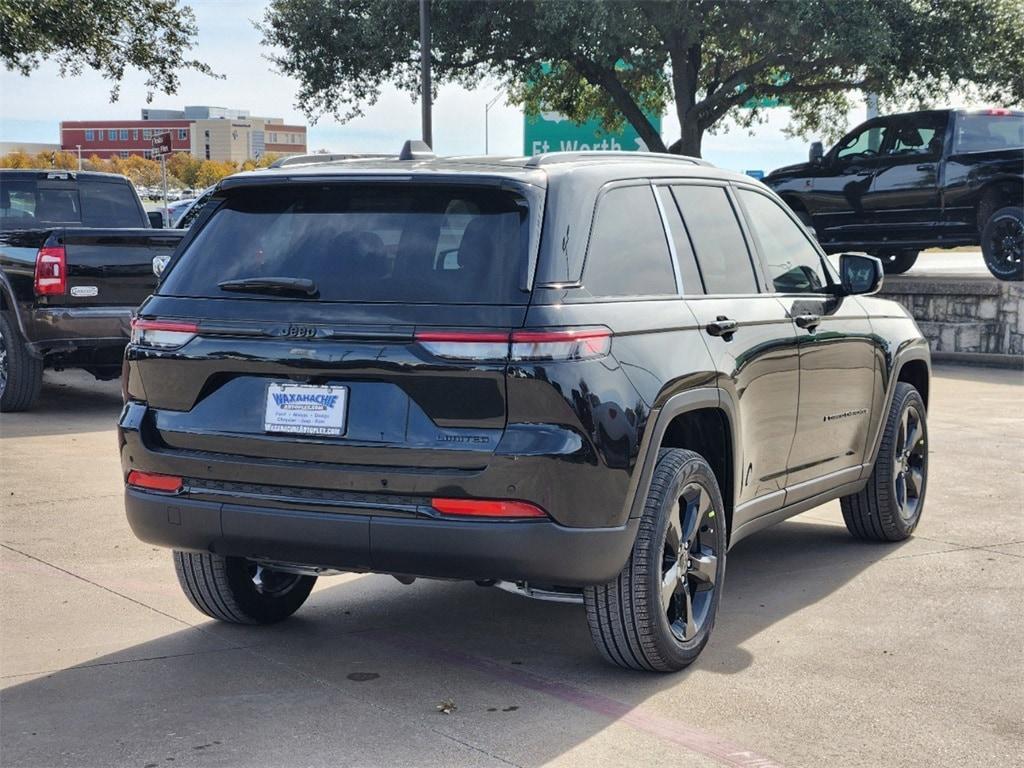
<point x="554" y="132"/>
<point x="161" y="145"/>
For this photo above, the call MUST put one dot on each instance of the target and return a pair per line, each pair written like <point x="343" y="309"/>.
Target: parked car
<point x="898" y="184"/>
<point x="76" y="253"/>
<point x="622" y="365"/>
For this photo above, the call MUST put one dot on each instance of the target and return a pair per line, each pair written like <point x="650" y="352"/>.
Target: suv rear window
<point x="362" y="242"/>
<point x="986" y="132"/>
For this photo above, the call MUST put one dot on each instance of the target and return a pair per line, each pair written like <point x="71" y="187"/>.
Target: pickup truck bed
<point x="67" y="292"/>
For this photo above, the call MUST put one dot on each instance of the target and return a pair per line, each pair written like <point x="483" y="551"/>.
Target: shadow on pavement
<point x="356" y="676"/>
<point x="71" y="402"/>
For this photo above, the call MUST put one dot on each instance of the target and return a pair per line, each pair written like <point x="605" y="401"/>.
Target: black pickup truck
<point x="898" y="184"/>
<point x="76" y="259"/>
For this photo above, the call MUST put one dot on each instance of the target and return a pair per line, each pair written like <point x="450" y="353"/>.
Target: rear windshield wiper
<point x="271" y="285"/>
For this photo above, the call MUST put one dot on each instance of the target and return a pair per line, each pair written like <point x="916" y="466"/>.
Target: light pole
<point x="487" y="125"/>
<point x="79" y="148"/>
<point x="425" y="90"/>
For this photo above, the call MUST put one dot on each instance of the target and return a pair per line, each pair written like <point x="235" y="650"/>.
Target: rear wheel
<point x="21" y="373"/>
<point x="897" y="262"/>
<point x="1002" y="243"/>
<point x="240" y="591"/>
<point x="658" y="613"/>
<point x="889" y="507"/>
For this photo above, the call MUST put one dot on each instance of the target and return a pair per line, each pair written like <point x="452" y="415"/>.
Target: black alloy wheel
<point x="689" y="563"/>
<point x="909" y="463"/>
<point x="1002" y="244"/>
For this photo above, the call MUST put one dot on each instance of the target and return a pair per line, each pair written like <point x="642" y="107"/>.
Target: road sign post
<point x="162" y="148"/>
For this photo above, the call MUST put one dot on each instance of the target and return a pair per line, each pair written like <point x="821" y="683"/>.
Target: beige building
<point x="241" y="139"/>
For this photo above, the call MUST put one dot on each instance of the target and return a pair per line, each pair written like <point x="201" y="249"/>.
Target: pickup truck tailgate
<point x="112" y="267"/>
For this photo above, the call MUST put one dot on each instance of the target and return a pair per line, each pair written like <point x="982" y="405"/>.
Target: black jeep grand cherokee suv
<point x="583" y="376"/>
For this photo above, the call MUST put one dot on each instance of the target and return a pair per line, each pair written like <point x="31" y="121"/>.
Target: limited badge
<point x="84" y="290"/>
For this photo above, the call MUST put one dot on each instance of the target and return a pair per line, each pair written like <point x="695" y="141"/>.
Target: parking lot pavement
<point x="827" y="651"/>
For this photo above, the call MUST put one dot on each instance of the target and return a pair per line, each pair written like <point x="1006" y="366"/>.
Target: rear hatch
<point x="341" y="323"/>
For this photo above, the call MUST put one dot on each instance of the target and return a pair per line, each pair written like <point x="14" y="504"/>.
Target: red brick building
<point x="208" y="133"/>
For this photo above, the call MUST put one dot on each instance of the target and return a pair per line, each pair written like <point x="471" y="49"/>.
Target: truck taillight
<point x="562" y="344"/>
<point x="162" y="334"/>
<point x="51" y="278"/>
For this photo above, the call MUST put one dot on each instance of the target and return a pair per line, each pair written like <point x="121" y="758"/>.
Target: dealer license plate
<point x="305" y="410"/>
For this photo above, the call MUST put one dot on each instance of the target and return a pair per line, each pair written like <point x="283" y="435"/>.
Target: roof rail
<point x="416" y="150"/>
<point x="550" y="158"/>
<point x="323" y="157"/>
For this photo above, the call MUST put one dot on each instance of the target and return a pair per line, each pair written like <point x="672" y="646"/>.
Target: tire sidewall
<point x="998" y="269"/>
<point x="693" y="469"/>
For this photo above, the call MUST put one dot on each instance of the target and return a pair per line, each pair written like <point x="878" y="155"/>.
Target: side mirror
<point x="860" y="275"/>
<point x="817" y="153"/>
<point x="156" y="219"/>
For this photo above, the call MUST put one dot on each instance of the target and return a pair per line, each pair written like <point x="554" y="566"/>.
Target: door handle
<point x="926" y="167"/>
<point x="809" y="322"/>
<point x="723" y="327"/>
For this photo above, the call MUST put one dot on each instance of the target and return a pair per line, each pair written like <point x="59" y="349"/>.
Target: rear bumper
<point x="66" y="329"/>
<point x="542" y="552"/>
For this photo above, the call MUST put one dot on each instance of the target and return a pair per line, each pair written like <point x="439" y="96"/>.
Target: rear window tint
<point x="717" y="238"/>
<point x="428" y="244"/>
<point x="109" y="204"/>
<point x="28" y="202"/>
<point x="628" y="254"/>
<point x="981" y="132"/>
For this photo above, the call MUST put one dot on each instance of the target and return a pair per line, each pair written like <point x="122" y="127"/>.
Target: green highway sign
<point x="554" y="132"/>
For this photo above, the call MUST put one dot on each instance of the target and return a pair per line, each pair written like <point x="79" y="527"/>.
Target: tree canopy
<point x="109" y="36"/>
<point x="708" y="60"/>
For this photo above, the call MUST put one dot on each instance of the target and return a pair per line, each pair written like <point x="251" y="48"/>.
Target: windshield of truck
<point x="397" y="242"/>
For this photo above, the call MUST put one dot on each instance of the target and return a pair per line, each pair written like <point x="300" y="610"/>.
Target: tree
<point x="183" y="166"/>
<point x="711" y="60"/>
<point x="212" y="171"/>
<point x="108" y="36"/>
<point x="65" y="161"/>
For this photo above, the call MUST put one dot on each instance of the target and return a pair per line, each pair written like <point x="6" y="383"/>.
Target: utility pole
<point x="79" y="148"/>
<point x="487" y="125"/>
<point x="425" y="88"/>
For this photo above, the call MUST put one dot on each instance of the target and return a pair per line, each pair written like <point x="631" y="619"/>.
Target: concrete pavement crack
<point x="104" y="588"/>
<point x="118" y="663"/>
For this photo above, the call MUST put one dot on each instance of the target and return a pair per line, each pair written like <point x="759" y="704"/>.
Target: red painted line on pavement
<point x="693" y="739"/>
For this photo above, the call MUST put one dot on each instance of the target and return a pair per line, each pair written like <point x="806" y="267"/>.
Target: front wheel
<point x="1002" y="243"/>
<point x="897" y="262"/>
<point x="240" y="591"/>
<point x="889" y="506"/>
<point x="658" y="613"/>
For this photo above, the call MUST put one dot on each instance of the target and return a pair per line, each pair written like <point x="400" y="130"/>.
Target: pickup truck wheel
<point x="21" y="373"/>
<point x="240" y="591"/>
<point x="889" y="507"/>
<point x="658" y="613"/>
<point x="897" y="262"/>
<point x="1002" y="243"/>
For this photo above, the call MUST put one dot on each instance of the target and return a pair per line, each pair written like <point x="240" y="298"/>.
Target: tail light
<point x="566" y="344"/>
<point x="162" y="334"/>
<point x="998" y="111"/>
<point x="575" y="344"/>
<point x="152" y="481"/>
<point x="51" y="278"/>
<point x="486" y="508"/>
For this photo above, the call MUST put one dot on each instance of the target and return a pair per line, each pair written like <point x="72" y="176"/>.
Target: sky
<point x="32" y="107"/>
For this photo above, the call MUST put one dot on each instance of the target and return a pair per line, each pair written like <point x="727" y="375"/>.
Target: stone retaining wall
<point x="966" y="319"/>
